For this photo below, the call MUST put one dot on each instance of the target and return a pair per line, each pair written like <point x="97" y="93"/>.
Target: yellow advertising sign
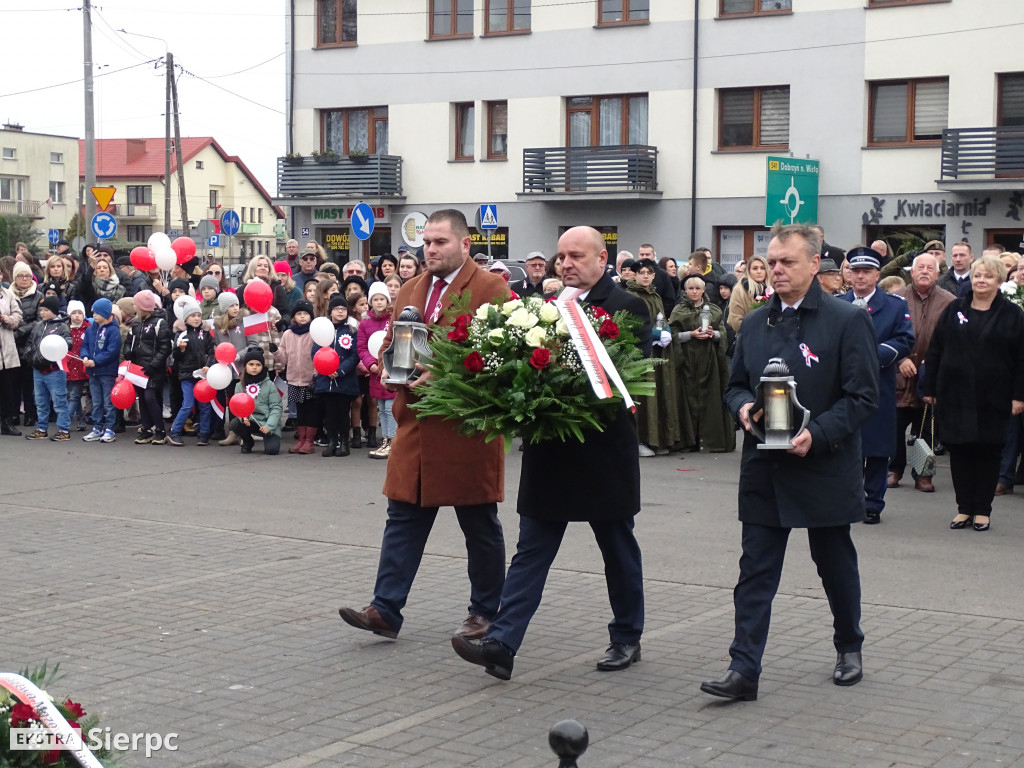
<point x="103" y="196"/>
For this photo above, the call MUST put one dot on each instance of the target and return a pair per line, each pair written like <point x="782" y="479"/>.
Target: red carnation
<point x="22" y="715"/>
<point x="599" y="312"/>
<point x="608" y="329"/>
<point x="474" y="362"/>
<point x="540" y="358"/>
<point x="75" y="709"/>
<point x="458" y="334"/>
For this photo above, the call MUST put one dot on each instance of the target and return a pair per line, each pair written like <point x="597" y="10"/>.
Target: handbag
<point x="920" y="455"/>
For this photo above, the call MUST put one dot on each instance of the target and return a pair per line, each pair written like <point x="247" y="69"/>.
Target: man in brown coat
<point x="925" y="302"/>
<point x="431" y="463"/>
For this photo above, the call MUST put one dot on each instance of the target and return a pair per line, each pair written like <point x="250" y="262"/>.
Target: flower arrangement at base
<point x="760" y="302"/>
<point x="16" y="714"/>
<point x="1013" y="293"/>
<point x="513" y="370"/>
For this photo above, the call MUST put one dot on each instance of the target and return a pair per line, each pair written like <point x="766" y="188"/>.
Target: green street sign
<point x="791" y="191"/>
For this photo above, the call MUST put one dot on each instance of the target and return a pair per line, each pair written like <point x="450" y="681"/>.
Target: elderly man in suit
<point x="431" y="463"/>
<point x="829" y="348"/>
<point x="596" y="481"/>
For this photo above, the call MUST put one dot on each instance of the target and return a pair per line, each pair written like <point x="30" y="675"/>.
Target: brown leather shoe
<point x="924" y="484"/>
<point x="893" y="481"/>
<point x="1003" y="490"/>
<point x="474" y="627"/>
<point x="368" y="619"/>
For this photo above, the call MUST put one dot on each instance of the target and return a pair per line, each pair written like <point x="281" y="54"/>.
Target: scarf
<point x="21" y="294"/>
<point x="107" y="287"/>
<point x="247" y="378"/>
<point x="299" y="330"/>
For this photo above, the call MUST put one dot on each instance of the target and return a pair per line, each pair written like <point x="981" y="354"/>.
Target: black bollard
<point x="568" y="739"/>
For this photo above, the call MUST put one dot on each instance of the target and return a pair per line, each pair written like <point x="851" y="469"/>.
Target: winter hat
<point x="357" y="280"/>
<point x="379" y="289"/>
<point x="337" y="300"/>
<point x="189" y="307"/>
<point x="253" y="353"/>
<point x="123" y="261"/>
<point x="283" y="267"/>
<point x="75" y="305"/>
<point x="21" y="268"/>
<point x="209" y="281"/>
<point x="226" y="300"/>
<point x="51" y="287"/>
<point x="178" y="283"/>
<point x="107" y="250"/>
<point x="189" y="266"/>
<point x="52" y="303"/>
<point x="302" y="306"/>
<point x="126" y="305"/>
<point x="101" y="307"/>
<point x="146" y="301"/>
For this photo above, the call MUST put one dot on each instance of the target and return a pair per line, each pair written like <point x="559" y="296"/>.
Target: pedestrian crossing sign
<point x="488" y="217"/>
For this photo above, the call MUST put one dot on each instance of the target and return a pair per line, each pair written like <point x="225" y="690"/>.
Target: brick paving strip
<point x="232" y="640"/>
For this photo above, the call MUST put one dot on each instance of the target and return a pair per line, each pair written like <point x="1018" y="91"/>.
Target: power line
<point x="236" y="95"/>
<point x="72" y="82"/>
<point x="247" y="69"/>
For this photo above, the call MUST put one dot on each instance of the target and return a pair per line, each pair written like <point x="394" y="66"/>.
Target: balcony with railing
<point x="137" y="211"/>
<point x="33" y="209"/>
<point x="982" y="158"/>
<point x="339" y="179"/>
<point x="619" y="172"/>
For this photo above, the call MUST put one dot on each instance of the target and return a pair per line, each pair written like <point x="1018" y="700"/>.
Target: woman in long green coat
<point x="703" y="372"/>
<point x="657" y="416"/>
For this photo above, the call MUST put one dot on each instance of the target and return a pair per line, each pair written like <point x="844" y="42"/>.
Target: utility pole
<point x="168" y="59"/>
<point x="183" y="204"/>
<point x="90" y="128"/>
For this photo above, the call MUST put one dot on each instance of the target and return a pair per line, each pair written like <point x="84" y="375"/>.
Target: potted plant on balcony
<point x="358" y="156"/>
<point x="327" y="156"/>
<point x="293" y="158"/>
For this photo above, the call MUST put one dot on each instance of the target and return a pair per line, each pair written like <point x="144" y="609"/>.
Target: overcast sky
<point x="244" y="112"/>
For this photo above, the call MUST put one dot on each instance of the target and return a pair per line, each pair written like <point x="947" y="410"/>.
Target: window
<point x="139" y="233"/>
<point x="335" y="23"/>
<point x="213" y="199"/>
<point x="199" y="165"/>
<point x="753" y="118"/>
<point x="252" y="215"/>
<point x="56" y="157"/>
<point x="593" y="121"/>
<point x="9" y="153"/>
<point x="1011" y="100"/>
<point x="140" y="195"/>
<point x="883" y="3"/>
<point x="497" y="130"/>
<point x="503" y="16"/>
<point x="6" y="189"/>
<point x="356" y="131"/>
<point x="451" y="18"/>
<point x="752" y="7"/>
<point x="259" y="212"/>
<point x="259" y="247"/>
<point x="241" y="212"/>
<point x="908" y="111"/>
<point x="623" y="11"/>
<point x="56" y="192"/>
<point x="465" y="140"/>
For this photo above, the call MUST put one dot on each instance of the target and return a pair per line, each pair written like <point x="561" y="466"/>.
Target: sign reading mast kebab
<point x="380" y="213"/>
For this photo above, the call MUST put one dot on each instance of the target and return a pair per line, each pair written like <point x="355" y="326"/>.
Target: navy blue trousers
<point x="876" y="477"/>
<point x="764" y="550"/>
<point x="405" y="536"/>
<point x="539" y="541"/>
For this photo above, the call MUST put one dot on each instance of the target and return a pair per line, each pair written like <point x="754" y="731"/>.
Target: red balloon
<point x="122" y="395"/>
<point x="203" y="392"/>
<point x="326" y="361"/>
<point x="258" y="295"/>
<point x="184" y="249"/>
<point x="242" y="405"/>
<point x="225" y="353"/>
<point x="142" y="258"/>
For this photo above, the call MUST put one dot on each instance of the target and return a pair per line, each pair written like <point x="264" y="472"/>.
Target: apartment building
<point x="214" y="182"/>
<point x="38" y="178"/>
<point x="654" y="120"/>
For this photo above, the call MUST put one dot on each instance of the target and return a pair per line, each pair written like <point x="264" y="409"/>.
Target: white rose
<point x="511" y="306"/>
<point x="497" y="336"/>
<point x="481" y="311"/>
<point x="549" y="312"/>
<point x="1009" y="288"/>
<point x="561" y="328"/>
<point x="536" y="336"/>
<point x="522" y="318"/>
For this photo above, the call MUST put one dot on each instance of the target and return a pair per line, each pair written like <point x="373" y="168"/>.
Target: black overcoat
<point x="973" y="374"/>
<point x="598" y="479"/>
<point x="829" y="346"/>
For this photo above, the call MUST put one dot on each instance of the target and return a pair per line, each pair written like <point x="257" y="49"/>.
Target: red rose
<point x="463" y="321"/>
<point x="599" y="312"/>
<point x="75" y="709"/>
<point x="458" y="334"/>
<point x="51" y="757"/>
<point x="608" y="330"/>
<point x="474" y="362"/>
<point x="22" y="715"/>
<point x="540" y="358"/>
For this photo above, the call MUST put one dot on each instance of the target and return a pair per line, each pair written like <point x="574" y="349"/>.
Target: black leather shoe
<point x="872" y="518"/>
<point x="732" y="685"/>
<point x="619" y="656"/>
<point x="487" y="653"/>
<point x="848" y="669"/>
<point x="958" y="525"/>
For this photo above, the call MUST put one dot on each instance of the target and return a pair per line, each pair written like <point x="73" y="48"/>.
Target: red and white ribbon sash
<point x="595" y="358"/>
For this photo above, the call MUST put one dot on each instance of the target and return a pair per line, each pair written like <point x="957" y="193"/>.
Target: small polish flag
<point x="63" y="364"/>
<point x="256" y="323"/>
<point x="281" y="384"/>
<point x="216" y="408"/>
<point x="133" y="373"/>
<point x="49" y="202"/>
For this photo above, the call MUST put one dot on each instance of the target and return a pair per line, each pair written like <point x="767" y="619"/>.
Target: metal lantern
<point x="782" y="414"/>
<point x="409" y="346"/>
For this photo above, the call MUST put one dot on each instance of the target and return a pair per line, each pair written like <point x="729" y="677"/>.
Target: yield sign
<point x="103" y="196"/>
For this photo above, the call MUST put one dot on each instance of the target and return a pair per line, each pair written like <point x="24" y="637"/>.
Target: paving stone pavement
<point x="231" y="639"/>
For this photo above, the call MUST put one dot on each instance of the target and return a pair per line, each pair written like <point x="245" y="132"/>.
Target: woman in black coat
<point x="974" y="376"/>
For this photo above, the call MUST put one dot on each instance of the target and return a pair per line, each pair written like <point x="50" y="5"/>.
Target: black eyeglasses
<point x="214" y="273"/>
<point x="308" y="257"/>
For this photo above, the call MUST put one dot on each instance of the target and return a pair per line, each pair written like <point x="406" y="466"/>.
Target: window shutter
<point x="737" y="6"/>
<point x="737" y="128"/>
<point x="890" y="113"/>
<point x="775" y="116"/>
<point x="931" y="109"/>
<point x="1011" y="100"/>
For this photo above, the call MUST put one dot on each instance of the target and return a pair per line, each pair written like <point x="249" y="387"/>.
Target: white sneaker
<point x="93" y="436"/>
<point x="645" y="452"/>
<point x="108" y="437"/>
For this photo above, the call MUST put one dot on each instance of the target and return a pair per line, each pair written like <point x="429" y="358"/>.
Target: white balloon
<point x="53" y="347"/>
<point x="218" y="376"/>
<point x="158" y="240"/>
<point x="179" y="305"/>
<point x="166" y="258"/>
<point x="322" y="331"/>
<point x="373" y="344"/>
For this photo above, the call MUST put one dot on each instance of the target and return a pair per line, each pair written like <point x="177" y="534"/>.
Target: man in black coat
<point x="596" y="481"/>
<point x="829" y="348"/>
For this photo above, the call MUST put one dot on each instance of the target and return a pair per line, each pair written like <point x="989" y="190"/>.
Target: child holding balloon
<point x="192" y="351"/>
<point x="294" y="354"/>
<point x="377" y="321"/>
<point x="336" y="383"/>
<point x="258" y="399"/>
<point x="50" y="382"/>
